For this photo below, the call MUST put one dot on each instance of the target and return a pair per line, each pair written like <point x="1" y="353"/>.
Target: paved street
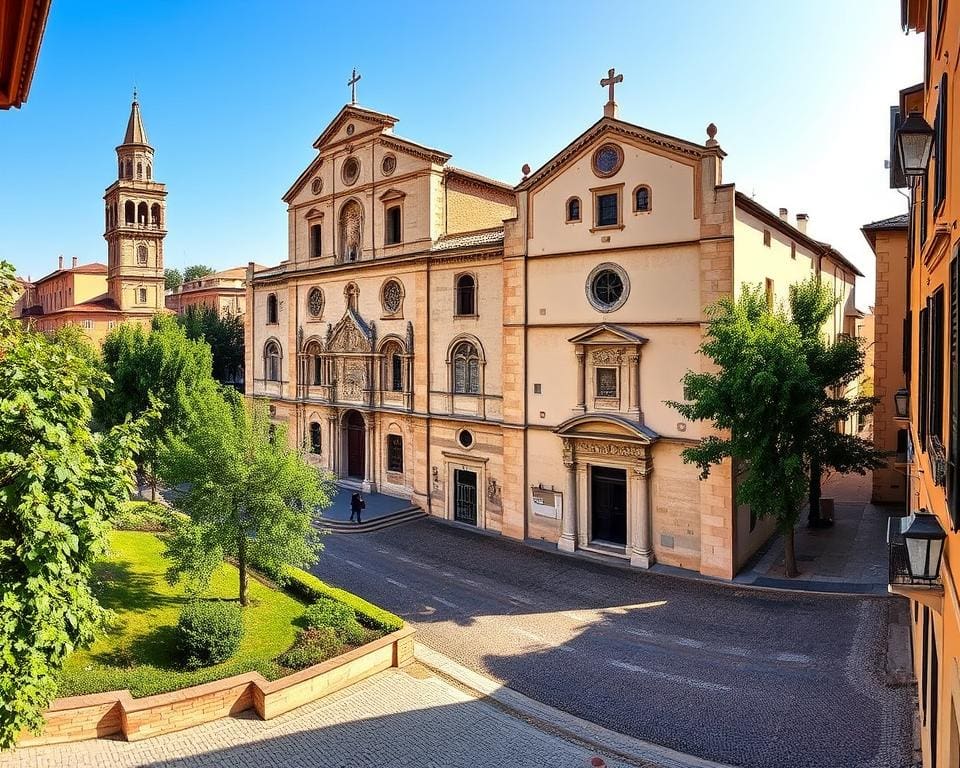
<point x="753" y="678"/>
<point x="393" y="720"/>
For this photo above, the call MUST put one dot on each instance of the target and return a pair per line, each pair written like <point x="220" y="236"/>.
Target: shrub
<point x="208" y="632"/>
<point x="309" y="587"/>
<point x="339" y="617"/>
<point x="312" y="647"/>
<point x="144" y="516"/>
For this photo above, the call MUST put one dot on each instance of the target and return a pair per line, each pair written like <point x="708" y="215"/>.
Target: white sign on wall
<point x="546" y="503"/>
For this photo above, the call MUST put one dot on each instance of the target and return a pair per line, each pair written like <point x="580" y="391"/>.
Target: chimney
<point x="783" y="214"/>
<point x="74" y="265"/>
<point x="60" y="262"/>
<point x="802" y="220"/>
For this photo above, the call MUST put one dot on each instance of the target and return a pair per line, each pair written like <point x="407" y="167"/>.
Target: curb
<point x="613" y="744"/>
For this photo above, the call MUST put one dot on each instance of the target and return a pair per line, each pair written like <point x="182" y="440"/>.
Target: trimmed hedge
<point x="309" y="587"/>
<point x="341" y="618"/>
<point x="208" y="632"/>
<point x="312" y="647"/>
<point x="147" y="516"/>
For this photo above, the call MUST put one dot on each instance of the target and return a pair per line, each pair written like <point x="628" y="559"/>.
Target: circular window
<point x="315" y="302"/>
<point x="465" y="438"/>
<point x="392" y="296"/>
<point x="388" y="165"/>
<point x="607" y="160"/>
<point x="351" y="170"/>
<point x="350" y="129"/>
<point x="607" y="287"/>
<point x="317" y="185"/>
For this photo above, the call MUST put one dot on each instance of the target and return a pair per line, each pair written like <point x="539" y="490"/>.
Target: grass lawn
<point x="139" y="652"/>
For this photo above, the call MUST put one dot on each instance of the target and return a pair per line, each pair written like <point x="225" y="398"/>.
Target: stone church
<point x="130" y="286"/>
<point x="501" y="354"/>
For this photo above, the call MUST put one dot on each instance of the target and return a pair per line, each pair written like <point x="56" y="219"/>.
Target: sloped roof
<point x="900" y="221"/>
<point x="98" y="304"/>
<point x="93" y="268"/>
<point x="370" y="115"/>
<point x="454" y="171"/>
<point x="470" y="239"/>
<point x="136" y="133"/>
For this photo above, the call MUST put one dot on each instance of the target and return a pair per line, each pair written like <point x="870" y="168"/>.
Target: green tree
<point x="223" y="334"/>
<point x="196" y="272"/>
<point x="776" y="400"/>
<point x="78" y="342"/>
<point x="836" y="365"/>
<point x="158" y="366"/>
<point x="60" y="483"/>
<point x="172" y="278"/>
<point x="247" y="496"/>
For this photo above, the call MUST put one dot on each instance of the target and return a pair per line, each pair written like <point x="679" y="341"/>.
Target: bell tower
<point x="135" y="220"/>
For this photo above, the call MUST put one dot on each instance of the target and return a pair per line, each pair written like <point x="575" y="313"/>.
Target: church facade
<point x="130" y="286"/>
<point x="502" y="354"/>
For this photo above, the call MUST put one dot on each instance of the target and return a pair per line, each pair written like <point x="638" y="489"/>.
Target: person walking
<point x="357" y="505"/>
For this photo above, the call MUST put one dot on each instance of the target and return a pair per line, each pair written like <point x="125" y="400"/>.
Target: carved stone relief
<point x="607" y="356"/>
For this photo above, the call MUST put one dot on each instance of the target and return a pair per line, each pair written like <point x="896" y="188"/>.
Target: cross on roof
<point x="352" y="82"/>
<point x="610" y="81"/>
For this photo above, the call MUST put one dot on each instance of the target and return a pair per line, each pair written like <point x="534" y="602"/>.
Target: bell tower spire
<point x="135" y="217"/>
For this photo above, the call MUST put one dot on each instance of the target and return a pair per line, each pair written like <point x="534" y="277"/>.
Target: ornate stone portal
<point x="603" y="443"/>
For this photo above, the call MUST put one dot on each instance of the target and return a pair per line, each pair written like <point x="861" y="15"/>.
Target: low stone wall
<point x="117" y="714"/>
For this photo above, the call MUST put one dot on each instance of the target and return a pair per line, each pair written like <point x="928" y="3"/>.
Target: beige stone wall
<point x="889" y="483"/>
<point x="470" y="207"/>
<point x="756" y="262"/>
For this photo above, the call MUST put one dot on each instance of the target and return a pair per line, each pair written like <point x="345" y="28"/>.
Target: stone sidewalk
<point x="398" y="718"/>
<point x="850" y="556"/>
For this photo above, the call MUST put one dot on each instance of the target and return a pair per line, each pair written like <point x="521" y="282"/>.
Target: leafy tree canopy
<point x="196" y="272"/>
<point x="172" y="278"/>
<point x="223" y="334"/>
<point x="60" y="483"/>
<point x="247" y="495"/>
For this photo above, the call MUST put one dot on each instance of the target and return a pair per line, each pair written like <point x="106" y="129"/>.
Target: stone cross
<point x="610" y="82"/>
<point x="352" y="82"/>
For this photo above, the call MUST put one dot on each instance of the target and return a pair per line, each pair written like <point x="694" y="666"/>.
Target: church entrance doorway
<point x="356" y="444"/>
<point x="465" y="496"/>
<point x="608" y="497"/>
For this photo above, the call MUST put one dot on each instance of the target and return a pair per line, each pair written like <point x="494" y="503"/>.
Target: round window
<point x="607" y="287"/>
<point x="351" y="170"/>
<point x="607" y="160"/>
<point x="350" y="129"/>
<point x="389" y="165"/>
<point x="317" y="185"/>
<point x="392" y="295"/>
<point x="465" y="438"/>
<point x="315" y="302"/>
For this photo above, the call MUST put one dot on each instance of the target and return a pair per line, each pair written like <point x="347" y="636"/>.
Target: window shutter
<point x="938" y="371"/>
<point x="953" y="447"/>
<point x="940" y="126"/>
<point x="922" y="384"/>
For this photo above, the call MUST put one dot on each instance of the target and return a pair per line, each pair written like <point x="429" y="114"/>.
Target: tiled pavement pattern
<point x="758" y="678"/>
<point x="394" y="719"/>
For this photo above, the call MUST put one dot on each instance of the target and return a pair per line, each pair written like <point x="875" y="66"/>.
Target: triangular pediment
<point x="363" y="121"/>
<point x="608" y="333"/>
<point x="612" y="128"/>
<point x="351" y="335"/>
<point x="607" y="426"/>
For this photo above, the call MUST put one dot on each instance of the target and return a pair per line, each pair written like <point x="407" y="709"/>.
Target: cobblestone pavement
<point x="394" y="719"/>
<point x="748" y="677"/>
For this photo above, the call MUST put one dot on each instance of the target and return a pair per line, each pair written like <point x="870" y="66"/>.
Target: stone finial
<point x="712" y="136"/>
<point x="525" y="171"/>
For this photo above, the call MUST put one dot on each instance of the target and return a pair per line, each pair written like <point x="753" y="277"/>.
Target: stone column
<point x="581" y="380"/>
<point x="334" y="445"/>
<point x="368" y="455"/>
<point x="642" y="555"/>
<point x="635" y="386"/>
<point x="568" y="535"/>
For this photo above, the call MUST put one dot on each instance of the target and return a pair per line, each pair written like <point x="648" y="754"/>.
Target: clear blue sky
<point x="234" y="93"/>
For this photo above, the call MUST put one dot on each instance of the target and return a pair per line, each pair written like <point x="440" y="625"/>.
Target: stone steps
<point x="377" y="524"/>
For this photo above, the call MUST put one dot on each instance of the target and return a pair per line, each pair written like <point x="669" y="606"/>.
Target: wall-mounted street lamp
<point x="901" y="403"/>
<point x="914" y="144"/>
<point x="924" y="540"/>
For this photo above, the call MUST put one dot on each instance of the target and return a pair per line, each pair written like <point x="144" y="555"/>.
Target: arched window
<point x="142" y="255"/>
<point x="149" y="172"/>
<point x="142" y="295"/>
<point x="130" y="212"/>
<point x="393" y="367"/>
<point x="393" y="225"/>
<point x="641" y="199"/>
<point x="139" y="170"/>
<point x="271" y="361"/>
<point x="314" y="437"/>
<point x="272" y="314"/>
<point x="315" y="363"/>
<point x="573" y="209"/>
<point x="155" y="214"/>
<point x="466" y="295"/>
<point x="142" y="214"/>
<point x="466" y="369"/>
<point x="129" y="167"/>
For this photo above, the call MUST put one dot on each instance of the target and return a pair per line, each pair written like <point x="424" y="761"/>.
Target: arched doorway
<point x="356" y="447"/>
